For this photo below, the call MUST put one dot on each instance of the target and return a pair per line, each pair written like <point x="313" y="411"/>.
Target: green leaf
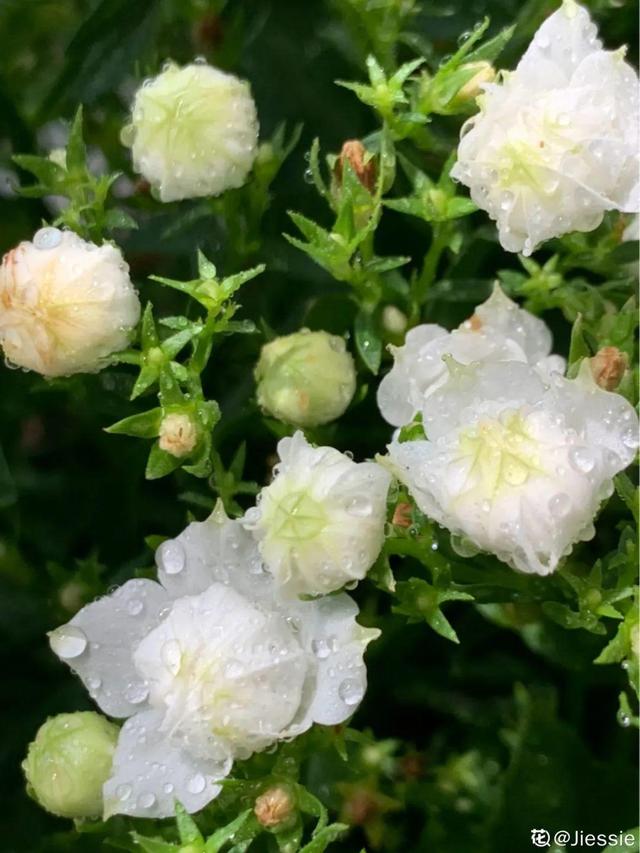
<point x="102" y="52"/>
<point x="229" y="832"/>
<point x="420" y="601"/>
<point x="628" y="493"/>
<point x="76" y="149"/>
<point x="160" y="463"/>
<point x="578" y="348"/>
<point x="368" y="340"/>
<point x="493" y="47"/>
<point x="49" y="174"/>
<point x="187" y="827"/>
<point x="143" y="425"/>
<point x="118" y="218"/>
<point x="325" y="837"/>
<point x="153" y="845"/>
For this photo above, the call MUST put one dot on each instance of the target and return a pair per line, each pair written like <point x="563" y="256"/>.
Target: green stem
<point x="429" y="268"/>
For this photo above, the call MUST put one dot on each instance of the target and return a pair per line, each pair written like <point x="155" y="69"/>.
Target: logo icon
<point x="540" y="838"/>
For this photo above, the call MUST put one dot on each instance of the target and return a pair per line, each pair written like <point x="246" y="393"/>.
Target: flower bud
<point x="65" y="304"/>
<point x="68" y="763"/>
<point x="608" y="366"/>
<point x="193" y="131"/>
<point x="360" y="160"/>
<point x="485" y="73"/>
<point x="274" y="807"/>
<point x="178" y="434"/>
<point x="305" y="379"/>
<point x="393" y="320"/>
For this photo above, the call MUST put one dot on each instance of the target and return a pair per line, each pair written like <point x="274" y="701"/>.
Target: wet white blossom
<point x="555" y="143"/>
<point x="514" y="466"/>
<point x="208" y="666"/>
<point x="498" y="331"/>
<point x="320" y="523"/>
<point x="65" y="304"/>
<point x="193" y="131"/>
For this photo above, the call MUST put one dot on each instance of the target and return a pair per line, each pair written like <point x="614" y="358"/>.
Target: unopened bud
<point x="393" y="320"/>
<point x="68" y="763"/>
<point x="402" y="515"/>
<point x="305" y="379"/>
<point x="178" y="434"/>
<point x="360" y="160"/>
<point x="274" y="807"/>
<point x="485" y="73"/>
<point x="608" y="366"/>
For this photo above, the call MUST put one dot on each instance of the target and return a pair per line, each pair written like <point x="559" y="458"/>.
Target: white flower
<point x="320" y="523"/>
<point x="556" y="144"/>
<point x="498" y="331"/>
<point x="306" y="379"/>
<point x="514" y="466"/>
<point x="193" y="131"/>
<point x="65" y="304"/>
<point x="209" y="665"/>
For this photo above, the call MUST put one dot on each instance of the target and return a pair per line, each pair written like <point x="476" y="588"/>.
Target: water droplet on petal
<point x="171" y="557"/>
<point x="123" y="792"/>
<point x="47" y="238"/>
<point x="135" y="606"/>
<point x="351" y="691"/>
<point x="68" y="642"/>
<point x="196" y="784"/>
<point x="136" y="693"/>
<point x="581" y="459"/>
<point x="145" y="801"/>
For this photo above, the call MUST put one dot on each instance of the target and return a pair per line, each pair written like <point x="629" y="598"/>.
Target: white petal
<point x="99" y="641"/>
<point x="217" y="550"/>
<point x="562" y="42"/>
<point x="508" y="384"/>
<point x="332" y="636"/>
<point x="502" y="317"/>
<point x="396" y="391"/>
<point x="150" y="774"/>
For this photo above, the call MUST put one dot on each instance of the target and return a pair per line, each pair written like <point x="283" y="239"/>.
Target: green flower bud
<point x="68" y="763"/>
<point x="305" y="379"/>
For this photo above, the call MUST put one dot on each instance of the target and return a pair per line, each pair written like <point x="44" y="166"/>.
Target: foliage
<point x="498" y="701"/>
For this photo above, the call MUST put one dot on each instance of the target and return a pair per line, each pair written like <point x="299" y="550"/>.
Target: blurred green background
<point x="497" y="735"/>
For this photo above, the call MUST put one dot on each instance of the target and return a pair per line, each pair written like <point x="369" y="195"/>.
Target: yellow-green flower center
<point x="297" y="517"/>
<point x="501" y="453"/>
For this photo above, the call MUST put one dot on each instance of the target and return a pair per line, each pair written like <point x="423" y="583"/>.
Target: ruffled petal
<point x="150" y="774"/>
<point x="217" y="550"/>
<point x="98" y="644"/>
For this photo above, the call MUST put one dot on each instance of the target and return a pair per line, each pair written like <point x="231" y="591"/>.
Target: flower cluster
<point x="209" y="665"/>
<point x="555" y="144"/>
<point x="516" y="458"/>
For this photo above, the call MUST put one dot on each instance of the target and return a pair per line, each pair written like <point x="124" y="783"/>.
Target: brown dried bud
<point x="360" y="161"/>
<point x="208" y="33"/>
<point x="608" y="366"/>
<point x="402" y="515"/>
<point x="274" y="807"/>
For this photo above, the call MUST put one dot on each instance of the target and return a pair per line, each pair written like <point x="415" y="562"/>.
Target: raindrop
<point x="560" y="504"/>
<point x="68" y="642"/>
<point x="145" y="801"/>
<point x="171" y="557"/>
<point x="581" y="459"/>
<point x="136" y="693"/>
<point x="350" y="691"/>
<point x="196" y="784"/>
<point x="135" y="606"/>
<point x="47" y="238"/>
<point x="321" y="648"/>
<point x="123" y="792"/>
